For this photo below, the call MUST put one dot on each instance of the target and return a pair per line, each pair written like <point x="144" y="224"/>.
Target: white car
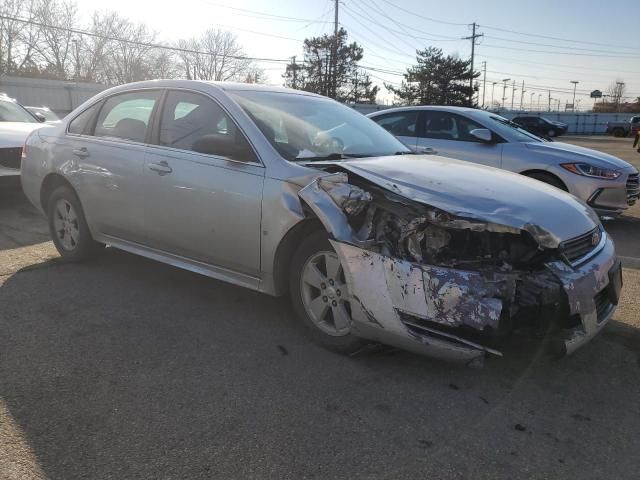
<point x="608" y="184"/>
<point x="16" y="123"/>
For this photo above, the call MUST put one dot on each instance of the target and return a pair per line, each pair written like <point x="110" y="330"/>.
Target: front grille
<point x="576" y="248"/>
<point x="633" y="188"/>
<point x="10" y="157"/>
<point x="603" y="304"/>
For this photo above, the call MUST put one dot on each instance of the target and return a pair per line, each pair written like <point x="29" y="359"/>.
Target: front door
<point x="447" y="134"/>
<point x="203" y="206"/>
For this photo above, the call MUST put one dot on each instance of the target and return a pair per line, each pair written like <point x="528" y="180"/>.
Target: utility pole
<point x="473" y="51"/>
<point x="295" y="72"/>
<point x="504" y="91"/>
<point x="334" y="52"/>
<point x="549" y="101"/>
<point x="484" y="81"/>
<point x="355" y="88"/>
<point x="539" y="96"/>
<point x="575" y="84"/>
<point x="513" y="93"/>
<point x="531" y="101"/>
<point x="618" y="98"/>
<point x="522" y="94"/>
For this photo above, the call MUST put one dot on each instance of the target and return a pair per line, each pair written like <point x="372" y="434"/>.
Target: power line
<point x="134" y="42"/>
<point x="551" y="45"/>
<point x="561" y="53"/>
<point x="264" y="15"/>
<point x="430" y="19"/>
<point x="558" y="38"/>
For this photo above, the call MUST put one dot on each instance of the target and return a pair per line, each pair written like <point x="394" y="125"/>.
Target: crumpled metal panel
<point x="381" y="285"/>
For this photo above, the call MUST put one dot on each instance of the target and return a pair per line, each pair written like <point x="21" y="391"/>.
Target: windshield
<point x="12" y="112"/>
<point x="509" y="130"/>
<point x="304" y="127"/>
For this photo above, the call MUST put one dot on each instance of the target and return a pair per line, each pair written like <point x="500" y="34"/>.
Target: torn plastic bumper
<point x="398" y="302"/>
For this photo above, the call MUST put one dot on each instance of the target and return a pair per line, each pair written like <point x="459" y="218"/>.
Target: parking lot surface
<point x="124" y="368"/>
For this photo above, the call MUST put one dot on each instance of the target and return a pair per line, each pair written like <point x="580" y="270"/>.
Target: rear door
<point x="106" y="156"/>
<point x="403" y="124"/>
<point x="447" y="134"/>
<point x="204" y="207"/>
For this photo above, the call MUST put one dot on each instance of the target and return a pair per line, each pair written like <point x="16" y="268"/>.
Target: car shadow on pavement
<point x="20" y="222"/>
<point x="127" y="368"/>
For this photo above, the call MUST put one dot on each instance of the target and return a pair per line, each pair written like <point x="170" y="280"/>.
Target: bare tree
<point x="216" y="55"/>
<point x="55" y="45"/>
<point x="616" y="91"/>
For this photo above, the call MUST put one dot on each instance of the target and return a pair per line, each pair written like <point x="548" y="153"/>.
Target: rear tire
<point x="549" y="179"/>
<point x="619" y="132"/>
<point x="68" y="227"/>
<point x="551" y="133"/>
<point x="319" y="295"/>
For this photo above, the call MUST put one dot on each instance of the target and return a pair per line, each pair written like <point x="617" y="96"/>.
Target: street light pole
<point x="575" y="84"/>
<point x="539" y="96"/>
<point x="493" y="89"/>
<point x="513" y="94"/>
<point x="531" y="100"/>
<point x="504" y="91"/>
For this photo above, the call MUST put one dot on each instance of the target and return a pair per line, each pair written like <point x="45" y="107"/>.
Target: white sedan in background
<point x="607" y="183"/>
<point x="16" y="124"/>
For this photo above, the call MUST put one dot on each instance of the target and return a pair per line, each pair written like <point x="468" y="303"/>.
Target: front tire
<point x="320" y="297"/>
<point x="551" y="133"/>
<point x="68" y="227"/>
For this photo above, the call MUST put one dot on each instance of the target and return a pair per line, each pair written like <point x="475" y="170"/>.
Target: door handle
<point x="80" y="152"/>
<point x="426" y="150"/>
<point x="162" y="168"/>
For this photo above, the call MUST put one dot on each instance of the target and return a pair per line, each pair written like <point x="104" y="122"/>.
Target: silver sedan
<point x="290" y="193"/>
<point x="607" y="183"/>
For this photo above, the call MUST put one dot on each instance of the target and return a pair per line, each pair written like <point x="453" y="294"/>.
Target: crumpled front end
<point x="454" y="288"/>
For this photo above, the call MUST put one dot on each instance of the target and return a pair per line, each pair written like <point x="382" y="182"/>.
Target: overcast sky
<point x="593" y="42"/>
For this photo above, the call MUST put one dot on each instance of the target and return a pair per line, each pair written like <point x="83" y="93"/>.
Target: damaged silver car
<point x="290" y="193"/>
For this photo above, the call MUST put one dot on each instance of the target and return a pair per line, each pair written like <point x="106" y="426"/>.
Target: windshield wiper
<point x="332" y="156"/>
<point x="408" y="152"/>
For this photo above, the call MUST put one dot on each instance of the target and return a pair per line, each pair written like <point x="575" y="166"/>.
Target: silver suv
<point x="287" y="192"/>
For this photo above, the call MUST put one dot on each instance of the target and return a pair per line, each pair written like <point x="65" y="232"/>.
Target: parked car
<point x="608" y="184"/>
<point x="287" y="192"/>
<point x="541" y="126"/>
<point x="15" y="124"/>
<point x="43" y="114"/>
<point x="622" y="129"/>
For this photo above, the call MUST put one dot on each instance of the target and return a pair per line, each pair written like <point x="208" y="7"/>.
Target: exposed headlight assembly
<point x="587" y="170"/>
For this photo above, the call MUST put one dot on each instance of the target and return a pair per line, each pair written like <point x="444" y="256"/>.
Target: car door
<point x="448" y="134"/>
<point x="402" y="124"/>
<point x="106" y="159"/>
<point x="203" y="206"/>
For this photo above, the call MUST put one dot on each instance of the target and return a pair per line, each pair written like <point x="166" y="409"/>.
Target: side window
<point x="127" y="115"/>
<point x="401" y="124"/>
<point x="82" y="123"/>
<point x="194" y="122"/>
<point x="449" y="126"/>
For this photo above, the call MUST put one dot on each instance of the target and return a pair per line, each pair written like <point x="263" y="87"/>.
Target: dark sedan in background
<point x="542" y="126"/>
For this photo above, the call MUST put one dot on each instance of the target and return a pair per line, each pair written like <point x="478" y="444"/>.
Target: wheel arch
<point x="287" y="248"/>
<point x="528" y="173"/>
<point x="49" y="184"/>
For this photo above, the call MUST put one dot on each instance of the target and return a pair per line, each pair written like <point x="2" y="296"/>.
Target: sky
<point x="545" y="44"/>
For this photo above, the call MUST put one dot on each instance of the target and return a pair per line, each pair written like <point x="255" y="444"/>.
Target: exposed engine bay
<point x="438" y="276"/>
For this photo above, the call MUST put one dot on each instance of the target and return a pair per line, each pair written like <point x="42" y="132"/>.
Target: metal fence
<point x="60" y="96"/>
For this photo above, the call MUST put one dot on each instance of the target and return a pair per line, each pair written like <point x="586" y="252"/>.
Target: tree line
<point x="46" y="39"/>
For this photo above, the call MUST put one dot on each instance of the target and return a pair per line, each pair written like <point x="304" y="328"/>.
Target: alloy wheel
<point x="66" y="225"/>
<point x="324" y="294"/>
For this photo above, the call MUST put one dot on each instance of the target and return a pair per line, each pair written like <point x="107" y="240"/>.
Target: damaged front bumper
<point x="419" y="307"/>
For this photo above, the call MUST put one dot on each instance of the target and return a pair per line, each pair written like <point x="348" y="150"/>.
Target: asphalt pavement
<point x="124" y="368"/>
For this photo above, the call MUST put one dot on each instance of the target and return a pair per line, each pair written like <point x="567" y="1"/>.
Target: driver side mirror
<point x="40" y="117"/>
<point x="482" y="134"/>
<point x="224" y="146"/>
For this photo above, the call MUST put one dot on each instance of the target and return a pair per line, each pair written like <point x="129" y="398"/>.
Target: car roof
<point x="441" y="108"/>
<point x="224" y="86"/>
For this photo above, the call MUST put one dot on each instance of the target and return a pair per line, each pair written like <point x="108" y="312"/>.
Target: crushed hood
<point x="566" y="153"/>
<point x="13" y="134"/>
<point x="477" y="192"/>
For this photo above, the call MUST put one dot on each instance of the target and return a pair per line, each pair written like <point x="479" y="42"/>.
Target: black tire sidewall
<point x="314" y="243"/>
<point x="548" y="179"/>
<point x="86" y="247"/>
